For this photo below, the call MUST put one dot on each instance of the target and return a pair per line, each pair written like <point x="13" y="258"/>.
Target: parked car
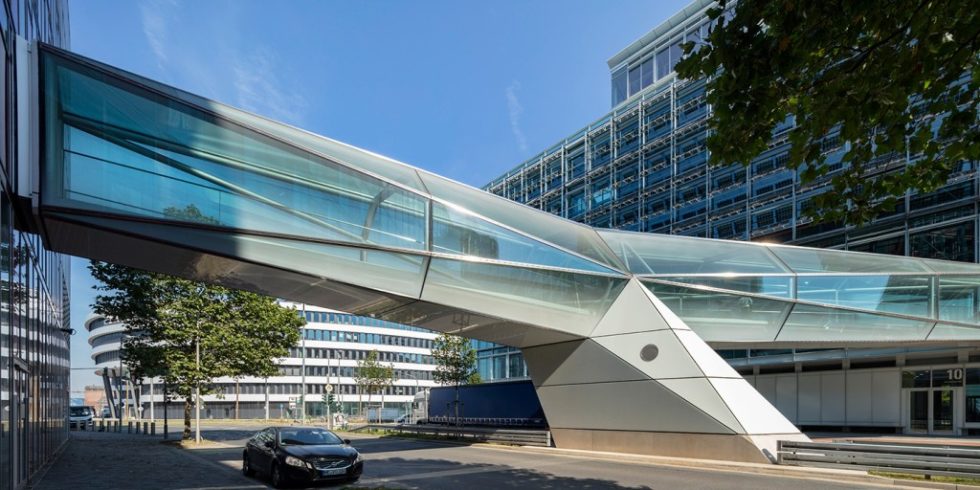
<point x="80" y="416"/>
<point x="106" y="412"/>
<point x="301" y="454"/>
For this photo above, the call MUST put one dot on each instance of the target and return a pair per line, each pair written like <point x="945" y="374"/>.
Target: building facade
<point x="330" y="348"/>
<point x="34" y="306"/>
<point x="643" y="167"/>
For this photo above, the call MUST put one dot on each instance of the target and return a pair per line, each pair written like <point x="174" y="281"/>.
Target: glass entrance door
<point x="919" y="411"/>
<point x="932" y="411"/>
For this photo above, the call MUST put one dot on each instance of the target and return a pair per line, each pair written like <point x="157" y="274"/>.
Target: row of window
<point x="229" y="390"/>
<point x="365" y="338"/>
<point x="359" y="355"/>
<point x="361" y="321"/>
<point x="350" y="372"/>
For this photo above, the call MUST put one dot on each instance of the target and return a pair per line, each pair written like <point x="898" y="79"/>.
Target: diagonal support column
<point x="643" y="382"/>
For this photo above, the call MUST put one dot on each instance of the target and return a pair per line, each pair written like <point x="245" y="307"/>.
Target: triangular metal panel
<point x="753" y="411"/>
<point x="671" y="359"/>
<point x="577" y="362"/>
<point x="632" y="312"/>
<point x="703" y="395"/>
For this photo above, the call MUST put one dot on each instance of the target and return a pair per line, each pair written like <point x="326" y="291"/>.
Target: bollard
<point x="83" y="424"/>
<point x="146" y="425"/>
<point x="102" y="425"/>
<point x="137" y="426"/>
<point x="153" y="428"/>
<point x="129" y="427"/>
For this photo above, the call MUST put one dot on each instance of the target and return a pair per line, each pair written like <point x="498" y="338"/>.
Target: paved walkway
<point x="108" y="461"/>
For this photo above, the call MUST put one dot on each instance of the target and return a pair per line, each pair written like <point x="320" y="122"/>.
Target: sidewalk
<point x="108" y="461"/>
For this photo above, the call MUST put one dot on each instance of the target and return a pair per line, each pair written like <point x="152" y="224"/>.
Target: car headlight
<point x="294" y="461"/>
<point x="359" y="458"/>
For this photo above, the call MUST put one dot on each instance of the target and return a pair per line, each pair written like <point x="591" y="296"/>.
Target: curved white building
<point x="328" y="353"/>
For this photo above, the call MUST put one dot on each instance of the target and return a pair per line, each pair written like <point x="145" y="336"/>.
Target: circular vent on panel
<point x="649" y="352"/>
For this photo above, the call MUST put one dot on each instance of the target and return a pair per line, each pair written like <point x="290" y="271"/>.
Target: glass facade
<point x="643" y="167"/>
<point x="34" y="304"/>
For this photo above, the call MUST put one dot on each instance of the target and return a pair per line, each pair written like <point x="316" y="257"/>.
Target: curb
<point x="818" y="474"/>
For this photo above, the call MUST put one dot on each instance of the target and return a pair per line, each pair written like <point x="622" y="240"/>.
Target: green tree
<point x="374" y="376"/>
<point x="893" y="78"/>
<point x="455" y="364"/>
<point x="239" y="333"/>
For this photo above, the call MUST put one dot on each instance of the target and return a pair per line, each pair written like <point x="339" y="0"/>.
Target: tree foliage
<point x="372" y="376"/>
<point x="455" y="360"/>
<point x="894" y="78"/>
<point x="240" y="333"/>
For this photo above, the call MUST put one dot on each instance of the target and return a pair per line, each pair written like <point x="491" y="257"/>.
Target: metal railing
<point x="518" y="437"/>
<point x="930" y="460"/>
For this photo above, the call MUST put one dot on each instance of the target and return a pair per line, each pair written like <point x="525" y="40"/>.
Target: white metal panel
<point x="886" y="397"/>
<point x="786" y="396"/>
<point x="832" y="398"/>
<point x="751" y="409"/>
<point x="809" y="399"/>
<point x="858" y="401"/>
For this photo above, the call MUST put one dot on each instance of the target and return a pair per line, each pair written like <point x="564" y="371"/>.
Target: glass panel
<point x="723" y="317"/>
<point x="563" y="300"/>
<point x="663" y="63"/>
<point x="816" y="260"/>
<point x="952" y="266"/>
<point x="919" y="410"/>
<point x="942" y="410"/>
<point x="458" y="232"/>
<point x="959" y="298"/>
<point x="973" y="394"/>
<point x="945" y="331"/>
<point x="814" y="323"/>
<point x="634" y="80"/>
<point x="648" y="253"/>
<point x="776" y="286"/>
<point x="907" y="295"/>
<point x="646" y="73"/>
<point x="180" y="162"/>
<point x="947" y="377"/>
<point x="619" y="87"/>
<point x="546" y="227"/>
<point x="915" y="379"/>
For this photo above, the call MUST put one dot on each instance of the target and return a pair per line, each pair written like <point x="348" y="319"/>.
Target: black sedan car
<point x="301" y="455"/>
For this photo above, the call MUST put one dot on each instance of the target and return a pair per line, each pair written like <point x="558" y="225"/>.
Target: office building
<point x="643" y="167"/>
<point x="34" y="306"/>
<point x="330" y="348"/>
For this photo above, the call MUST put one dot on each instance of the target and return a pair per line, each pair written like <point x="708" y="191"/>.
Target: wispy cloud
<point x="515" y="110"/>
<point x="155" y="16"/>
<point x="259" y="89"/>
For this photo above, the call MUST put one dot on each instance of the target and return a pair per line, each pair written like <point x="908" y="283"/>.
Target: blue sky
<point x="464" y="89"/>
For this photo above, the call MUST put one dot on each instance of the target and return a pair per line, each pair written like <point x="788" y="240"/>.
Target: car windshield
<point x="307" y="437"/>
<point x="79" y="411"/>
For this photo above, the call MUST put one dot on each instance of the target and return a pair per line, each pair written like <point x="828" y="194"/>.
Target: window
<point x="646" y="73"/>
<point x="634" y="80"/>
<point x="663" y="63"/>
<point x="619" y="86"/>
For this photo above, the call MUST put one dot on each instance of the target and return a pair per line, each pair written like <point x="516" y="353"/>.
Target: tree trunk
<point x="382" y="409"/>
<point x="187" y="418"/>
<point x="457" y="405"/>
<point x="237" y="393"/>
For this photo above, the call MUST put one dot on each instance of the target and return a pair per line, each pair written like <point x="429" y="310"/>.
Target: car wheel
<point x="276" y="478"/>
<point x="246" y="467"/>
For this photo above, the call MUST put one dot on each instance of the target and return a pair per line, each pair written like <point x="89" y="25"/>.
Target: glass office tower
<point x="643" y="167"/>
<point x="34" y="307"/>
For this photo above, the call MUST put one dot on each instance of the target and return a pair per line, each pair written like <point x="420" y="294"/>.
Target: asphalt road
<point x="418" y="464"/>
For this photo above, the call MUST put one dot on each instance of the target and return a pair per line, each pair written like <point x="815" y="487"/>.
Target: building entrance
<point x="931" y="411"/>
